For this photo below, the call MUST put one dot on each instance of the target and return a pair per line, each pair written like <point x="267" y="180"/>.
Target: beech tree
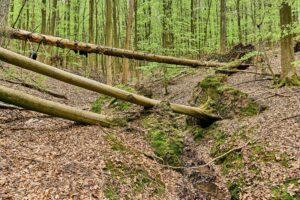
<point x="288" y="70"/>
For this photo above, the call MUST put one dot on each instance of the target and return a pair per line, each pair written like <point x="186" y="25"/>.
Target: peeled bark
<point x="105" y="50"/>
<point x="30" y="102"/>
<point x="41" y="68"/>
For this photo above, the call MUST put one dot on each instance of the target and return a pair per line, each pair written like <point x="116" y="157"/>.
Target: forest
<point x="150" y="99"/>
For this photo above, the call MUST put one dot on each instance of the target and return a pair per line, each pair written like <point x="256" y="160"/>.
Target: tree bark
<point x="30" y="102"/>
<point x="108" y="41"/>
<point x="127" y="40"/>
<point x="223" y="27"/>
<point x="105" y="50"/>
<point x="288" y="71"/>
<point x="4" y="9"/>
<point x="41" y="68"/>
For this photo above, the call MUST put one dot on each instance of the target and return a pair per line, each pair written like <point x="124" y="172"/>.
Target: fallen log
<point x="47" y="70"/>
<point x="99" y="49"/>
<point x="30" y="102"/>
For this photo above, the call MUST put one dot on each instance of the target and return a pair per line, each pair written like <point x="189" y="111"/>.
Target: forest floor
<point x="43" y="157"/>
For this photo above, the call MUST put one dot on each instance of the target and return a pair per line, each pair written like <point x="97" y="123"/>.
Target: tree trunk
<point x="223" y="27"/>
<point x="127" y="40"/>
<point x="108" y="41"/>
<point x="4" y="9"/>
<point x="167" y="36"/>
<point x="41" y="68"/>
<point x="288" y="70"/>
<point x="30" y="102"/>
<point x="238" y="10"/>
<point x="117" y="52"/>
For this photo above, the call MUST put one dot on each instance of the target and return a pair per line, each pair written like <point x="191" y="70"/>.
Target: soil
<point x="43" y="157"/>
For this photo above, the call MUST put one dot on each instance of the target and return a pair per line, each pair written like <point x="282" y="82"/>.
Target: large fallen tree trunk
<point x="30" y="102"/>
<point x="92" y="48"/>
<point x="47" y="70"/>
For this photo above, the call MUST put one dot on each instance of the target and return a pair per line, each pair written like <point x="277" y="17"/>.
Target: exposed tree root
<point x="287" y="82"/>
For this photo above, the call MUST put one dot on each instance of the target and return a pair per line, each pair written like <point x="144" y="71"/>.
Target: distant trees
<point x="182" y="28"/>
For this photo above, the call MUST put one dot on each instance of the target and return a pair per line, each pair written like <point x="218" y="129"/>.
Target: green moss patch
<point x="222" y="99"/>
<point x="104" y="101"/>
<point x="165" y="135"/>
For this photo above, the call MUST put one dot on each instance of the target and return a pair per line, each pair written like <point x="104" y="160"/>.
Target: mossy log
<point x="47" y="70"/>
<point x="110" y="51"/>
<point x="30" y="102"/>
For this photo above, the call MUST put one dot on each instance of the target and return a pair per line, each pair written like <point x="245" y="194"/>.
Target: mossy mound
<point x="224" y="100"/>
<point x="107" y="102"/>
<point x="164" y="134"/>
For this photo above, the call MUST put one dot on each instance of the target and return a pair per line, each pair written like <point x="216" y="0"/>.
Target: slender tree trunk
<point x="223" y="27"/>
<point x="108" y="41"/>
<point x="91" y="32"/>
<point x="168" y="36"/>
<point x="238" y="10"/>
<point x="127" y="40"/>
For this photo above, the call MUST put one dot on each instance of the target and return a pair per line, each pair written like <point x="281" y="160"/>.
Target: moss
<point x="116" y="144"/>
<point x="199" y="133"/>
<point x="235" y="188"/>
<point x="222" y="100"/>
<point x="110" y="193"/>
<point x="213" y="81"/>
<point x="165" y="137"/>
<point x="114" y="103"/>
<point x="281" y="192"/>
<point x="140" y="179"/>
<point x="168" y="147"/>
<point x="250" y="109"/>
<point x="284" y="160"/>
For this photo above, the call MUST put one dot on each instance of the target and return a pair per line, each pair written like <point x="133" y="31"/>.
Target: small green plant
<point x="110" y="193"/>
<point x="250" y="109"/>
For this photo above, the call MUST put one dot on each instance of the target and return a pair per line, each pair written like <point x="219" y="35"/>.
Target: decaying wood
<point x="99" y="49"/>
<point x="30" y="102"/>
<point x="41" y="68"/>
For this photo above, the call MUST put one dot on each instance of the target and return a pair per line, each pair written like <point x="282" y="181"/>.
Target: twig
<point x="291" y="117"/>
<point x="265" y="79"/>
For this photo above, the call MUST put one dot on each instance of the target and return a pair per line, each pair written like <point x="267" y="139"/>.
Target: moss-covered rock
<point x="224" y="100"/>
